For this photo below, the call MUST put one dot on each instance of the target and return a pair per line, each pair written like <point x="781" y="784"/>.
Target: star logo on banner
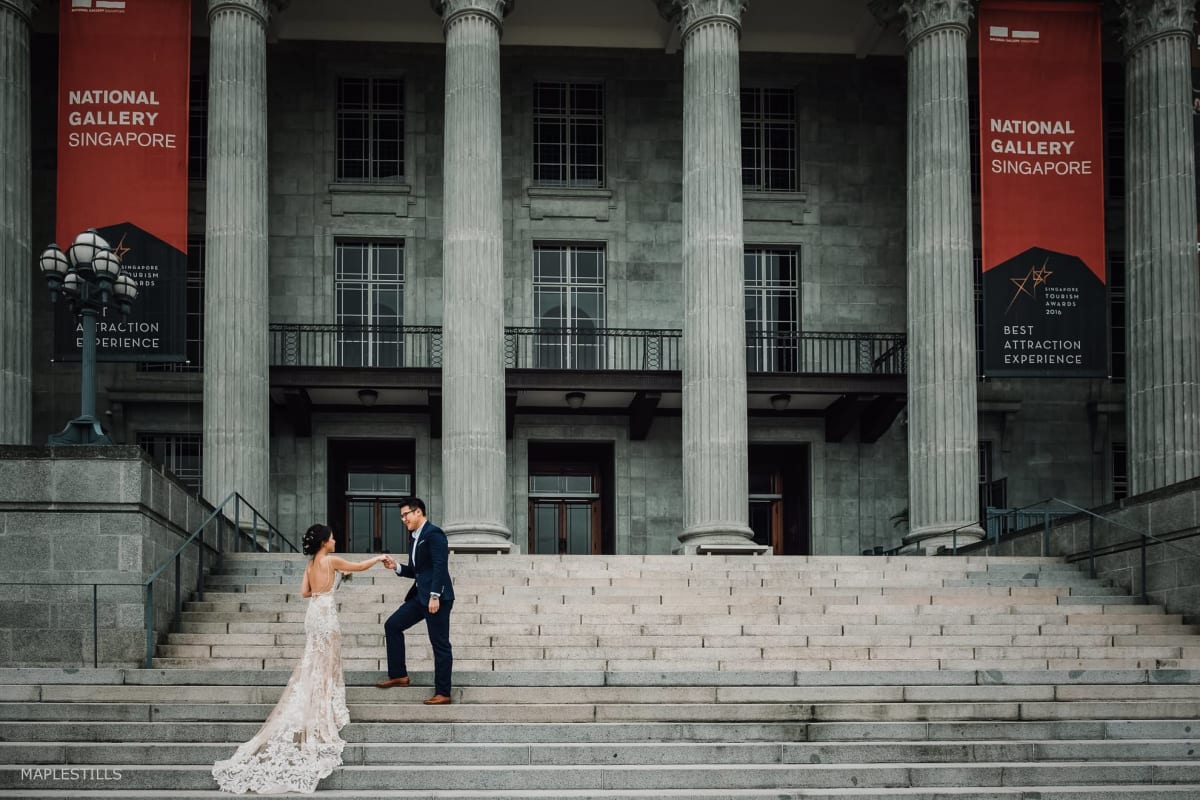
<point x="120" y="250"/>
<point x="1022" y="288"/>
<point x="1040" y="276"/>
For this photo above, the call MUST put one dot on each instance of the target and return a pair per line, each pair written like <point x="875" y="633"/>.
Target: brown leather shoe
<point x="390" y="682"/>
<point x="438" y="700"/>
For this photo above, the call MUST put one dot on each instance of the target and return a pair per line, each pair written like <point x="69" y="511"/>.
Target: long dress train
<point x="299" y="744"/>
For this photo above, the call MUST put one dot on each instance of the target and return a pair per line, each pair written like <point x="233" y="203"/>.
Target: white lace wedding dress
<point x="299" y="744"/>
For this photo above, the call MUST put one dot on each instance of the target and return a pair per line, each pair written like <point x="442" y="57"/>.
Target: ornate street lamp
<point x="89" y="276"/>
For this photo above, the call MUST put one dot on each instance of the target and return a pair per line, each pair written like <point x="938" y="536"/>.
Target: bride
<point x="299" y="744"/>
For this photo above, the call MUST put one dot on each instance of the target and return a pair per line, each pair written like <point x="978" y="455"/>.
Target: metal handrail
<point x="218" y="516"/>
<point x="954" y="532"/>
<point x="95" y="606"/>
<point x="898" y="349"/>
<point x="994" y="516"/>
<point x="1092" y="517"/>
<point x="1103" y="518"/>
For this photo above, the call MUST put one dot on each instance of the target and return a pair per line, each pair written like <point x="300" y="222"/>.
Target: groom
<point x="430" y="598"/>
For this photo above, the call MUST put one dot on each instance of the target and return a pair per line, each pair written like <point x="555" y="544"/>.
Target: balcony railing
<point x="395" y="346"/>
<point x="826" y="353"/>
<point x="584" y="349"/>
<point x="593" y="349"/>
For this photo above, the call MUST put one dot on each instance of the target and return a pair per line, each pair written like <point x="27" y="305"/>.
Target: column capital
<point x="919" y="17"/>
<point x="495" y="10"/>
<point x="1146" y="20"/>
<point x="22" y="8"/>
<point x="260" y="10"/>
<point x="687" y="14"/>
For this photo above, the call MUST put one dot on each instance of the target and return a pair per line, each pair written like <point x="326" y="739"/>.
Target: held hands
<point x="388" y="561"/>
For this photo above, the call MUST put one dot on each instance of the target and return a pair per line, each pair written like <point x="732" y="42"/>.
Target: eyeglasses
<point x="404" y="514"/>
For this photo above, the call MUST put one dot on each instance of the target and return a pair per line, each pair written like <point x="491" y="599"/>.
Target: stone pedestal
<point x="236" y="379"/>
<point x="715" y="439"/>
<point x="943" y="483"/>
<point x="1160" y="241"/>
<point x="95" y="523"/>
<point x="16" y="255"/>
<point x="474" y="486"/>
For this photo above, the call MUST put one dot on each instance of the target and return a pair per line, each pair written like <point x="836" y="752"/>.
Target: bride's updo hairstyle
<point x="314" y="537"/>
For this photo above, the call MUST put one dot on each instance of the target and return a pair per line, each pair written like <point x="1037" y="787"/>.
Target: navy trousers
<point x="438" y="625"/>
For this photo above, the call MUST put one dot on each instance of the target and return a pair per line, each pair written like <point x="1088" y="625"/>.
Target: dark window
<point x="367" y="481"/>
<point x="779" y="497"/>
<point x="993" y="492"/>
<point x="1114" y="142"/>
<point x="571" y="499"/>
<point x="373" y="502"/>
<point x="985" y="463"/>
<point x="178" y="452"/>
<point x="769" y="140"/>
<point x="772" y="296"/>
<point x="370" y="130"/>
<point x="1116" y="310"/>
<point x="1120" y="470"/>
<point x="198" y="128"/>
<point x="370" y="303"/>
<point x="569" y="295"/>
<point x="568" y="134"/>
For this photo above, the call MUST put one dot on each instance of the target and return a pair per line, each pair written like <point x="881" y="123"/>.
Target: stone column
<point x="715" y="458"/>
<point x="943" y="466"/>
<point x="1160" y="244"/>
<point x="16" y="256"/>
<point x="236" y="380"/>
<point x="474" y="485"/>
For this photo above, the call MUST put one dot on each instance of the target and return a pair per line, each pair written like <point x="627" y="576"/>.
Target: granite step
<point x="642" y="777"/>
<point x="258" y="694"/>
<point x="663" y="676"/>
<point x="1045" y="610"/>
<point x="640" y="753"/>
<point x="76" y="731"/>
<point x="1098" y="792"/>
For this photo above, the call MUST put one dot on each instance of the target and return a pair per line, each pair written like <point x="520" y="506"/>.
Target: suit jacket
<point x="431" y="573"/>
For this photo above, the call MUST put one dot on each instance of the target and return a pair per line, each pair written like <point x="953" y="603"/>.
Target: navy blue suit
<point x="427" y="566"/>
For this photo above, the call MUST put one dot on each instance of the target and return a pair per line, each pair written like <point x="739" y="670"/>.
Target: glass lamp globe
<point x="85" y="247"/>
<point x="126" y="288"/>
<point x="106" y="264"/>
<point x="54" y="262"/>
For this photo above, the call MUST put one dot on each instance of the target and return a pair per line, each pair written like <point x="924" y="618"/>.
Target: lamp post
<point x="89" y="276"/>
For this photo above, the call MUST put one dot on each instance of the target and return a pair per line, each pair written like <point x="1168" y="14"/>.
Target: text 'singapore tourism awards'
<point x="122" y="163"/>
<point x="1042" y="189"/>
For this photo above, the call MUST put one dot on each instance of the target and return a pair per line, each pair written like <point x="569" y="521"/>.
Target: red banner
<point x="123" y="75"/>
<point x="1042" y="188"/>
<point x="123" y="70"/>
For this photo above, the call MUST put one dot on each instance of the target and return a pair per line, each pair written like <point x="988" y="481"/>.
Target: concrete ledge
<point x="51" y="675"/>
<point x="257" y="677"/>
<point x="126" y="515"/>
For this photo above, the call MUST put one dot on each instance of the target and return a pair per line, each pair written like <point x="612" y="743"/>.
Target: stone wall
<point x="847" y="219"/>
<point x="71" y="517"/>
<point x="1171" y="514"/>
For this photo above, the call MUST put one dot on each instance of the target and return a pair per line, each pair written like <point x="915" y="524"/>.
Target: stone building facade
<point x="637" y="278"/>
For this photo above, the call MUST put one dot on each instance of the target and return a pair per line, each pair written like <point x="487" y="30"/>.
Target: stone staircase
<point x="661" y="677"/>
